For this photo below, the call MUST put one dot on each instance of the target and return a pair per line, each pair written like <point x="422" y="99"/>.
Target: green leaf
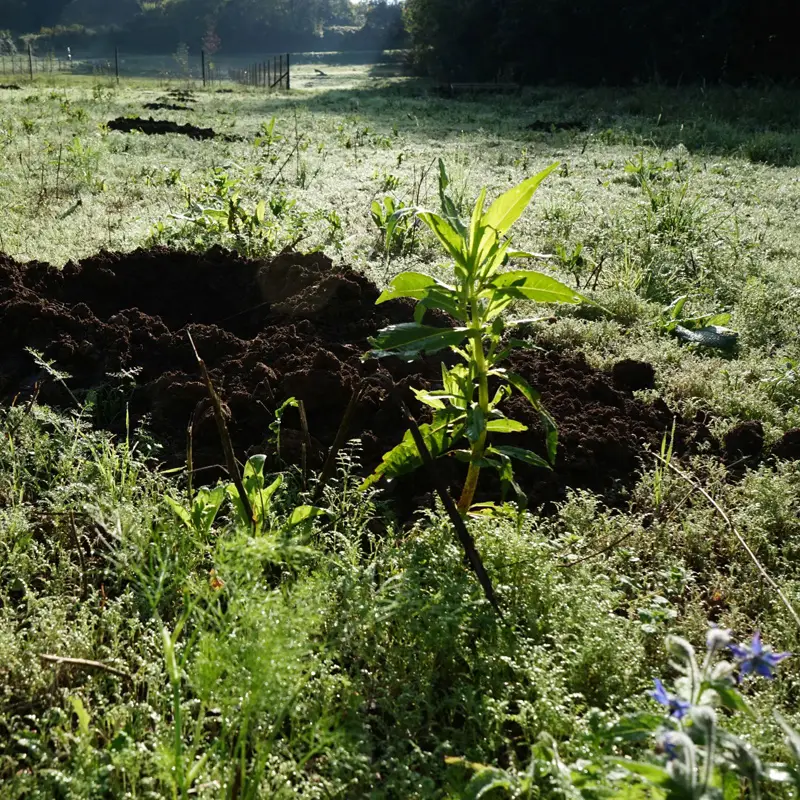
<point x="675" y="308"/>
<point x="532" y="285"/>
<point x="729" y="696"/>
<point x="476" y="423"/>
<point x="303" y="514"/>
<point x="720" y="319"/>
<point x="535" y="399"/>
<point x="180" y="512"/>
<point x="505" y="426"/>
<point x="637" y="727"/>
<point x="260" y="212"/>
<point x="508" y="208"/>
<point x="407" y="284"/>
<point x="84" y="720"/>
<point x="520" y="454"/>
<point x="450" y="239"/>
<point x="410" y="339"/>
<point x="205" y="508"/>
<point x="475" y="224"/>
<point x="439" y="437"/>
<point x="650" y="772"/>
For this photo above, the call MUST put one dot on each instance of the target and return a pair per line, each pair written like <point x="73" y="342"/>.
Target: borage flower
<point x="678" y="708"/>
<point x="756" y="658"/>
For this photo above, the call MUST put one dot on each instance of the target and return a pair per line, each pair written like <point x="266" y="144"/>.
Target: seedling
<point x="463" y="410"/>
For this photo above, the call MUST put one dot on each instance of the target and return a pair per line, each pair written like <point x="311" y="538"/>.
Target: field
<point x="154" y="643"/>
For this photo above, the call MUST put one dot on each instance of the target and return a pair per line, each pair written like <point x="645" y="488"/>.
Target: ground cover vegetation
<point x="169" y="630"/>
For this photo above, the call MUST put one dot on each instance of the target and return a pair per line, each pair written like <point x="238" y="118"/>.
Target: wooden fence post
<point x="30" y="59"/>
<point x="116" y="62"/>
<point x="288" y="74"/>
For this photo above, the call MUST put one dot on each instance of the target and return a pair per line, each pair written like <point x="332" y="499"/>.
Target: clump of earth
<point x="294" y="326"/>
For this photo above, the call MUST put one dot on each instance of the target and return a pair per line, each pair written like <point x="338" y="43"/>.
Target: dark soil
<point x="548" y="126"/>
<point x="182" y="96"/>
<point x="160" y="126"/>
<point x="166" y="107"/>
<point x="295" y="326"/>
<point x="744" y="444"/>
<point x="633" y="375"/>
<point x="11" y="87"/>
<point x="788" y="446"/>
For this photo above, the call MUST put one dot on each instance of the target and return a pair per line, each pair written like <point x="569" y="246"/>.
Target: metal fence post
<point x="288" y="73"/>
<point x="30" y="59"/>
<point x="116" y="63"/>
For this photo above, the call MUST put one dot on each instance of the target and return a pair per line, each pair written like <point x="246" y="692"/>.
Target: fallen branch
<point x="84" y="663"/>
<point x="753" y="557"/>
<point x="467" y="542"/>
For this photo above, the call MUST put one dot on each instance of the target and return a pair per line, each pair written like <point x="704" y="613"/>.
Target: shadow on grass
<point x="760" y="125"/>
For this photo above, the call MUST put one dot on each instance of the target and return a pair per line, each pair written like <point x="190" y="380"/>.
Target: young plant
<point x="394" y="219"/>
<point x="260" y="495"/>
<point x="464" y="410"/>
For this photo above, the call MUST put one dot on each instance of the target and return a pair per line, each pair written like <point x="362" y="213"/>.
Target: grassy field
<point x="337" y="663"/>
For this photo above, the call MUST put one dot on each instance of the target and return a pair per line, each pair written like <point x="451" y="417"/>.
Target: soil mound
<point x="166" y="107"/>
<point x="744" y="444"/>
<point x="788" y="446"/>
<point x="295" y="326"/>
<point x="153" y="127"/>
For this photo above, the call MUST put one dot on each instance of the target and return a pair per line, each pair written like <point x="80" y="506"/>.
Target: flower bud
<point x="717" y="638"/>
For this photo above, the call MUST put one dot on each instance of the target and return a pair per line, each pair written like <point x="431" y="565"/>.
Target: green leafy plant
<point x="464" y="409"/>
<point x="260" y="495"/>
<point x="395" y="221"/>
<point x="204" y="509"/>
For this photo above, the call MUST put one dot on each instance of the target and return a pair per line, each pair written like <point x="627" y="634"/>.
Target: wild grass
<point x="325" y="660"/>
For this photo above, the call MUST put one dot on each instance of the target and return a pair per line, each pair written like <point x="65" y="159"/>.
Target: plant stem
<point x="478" y="448"/>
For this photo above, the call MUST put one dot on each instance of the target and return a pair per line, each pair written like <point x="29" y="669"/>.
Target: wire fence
<point x="269" y="73"/>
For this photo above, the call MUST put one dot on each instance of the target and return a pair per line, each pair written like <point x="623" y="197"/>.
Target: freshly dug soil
<point x="788" y="446"/>
<point x="166" y="107"/>
<point x="293" y="327"/>
<point x="548" y="126"/>
<point x="633" y="375"/>
<point x="744" y="444"/>
<point x="161" y="126"/>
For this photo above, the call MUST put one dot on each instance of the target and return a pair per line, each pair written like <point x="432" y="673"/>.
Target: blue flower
<point x="678" y="708"/>
<point x="756" y="658"/>
<point x="669" y="744"/>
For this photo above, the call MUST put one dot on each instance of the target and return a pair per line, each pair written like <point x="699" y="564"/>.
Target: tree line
<point x="232" y="25"/>
<point x="605" y="41"/>
<point x="589" y="42"/>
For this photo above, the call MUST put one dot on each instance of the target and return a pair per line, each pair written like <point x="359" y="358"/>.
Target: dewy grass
<point x="345" y="657"/>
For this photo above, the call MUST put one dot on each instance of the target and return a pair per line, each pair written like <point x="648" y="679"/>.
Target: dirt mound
<point x="295" y="326"/>
<point x="788" y="446"/>
<point x="166" y="107"/>
<point x="182" y="95"/>
<point x="744" y="444"/>
<point x="633" y="375"/>
<point x="161" y="126"/>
